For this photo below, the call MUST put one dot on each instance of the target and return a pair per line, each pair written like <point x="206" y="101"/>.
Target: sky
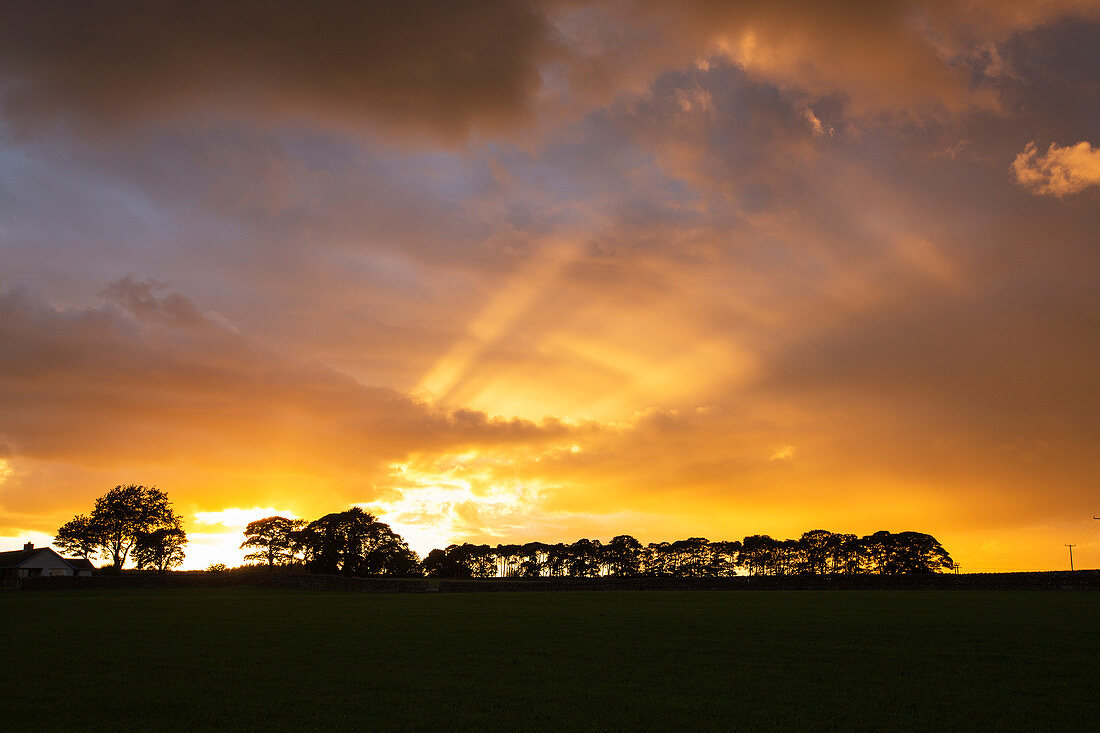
<point x="543" y="270"/>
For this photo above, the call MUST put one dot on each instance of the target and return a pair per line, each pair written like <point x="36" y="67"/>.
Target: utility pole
<point x="1071" y="556"/>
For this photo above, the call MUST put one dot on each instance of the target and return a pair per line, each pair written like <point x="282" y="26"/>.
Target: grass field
<point x="284" y="660"/>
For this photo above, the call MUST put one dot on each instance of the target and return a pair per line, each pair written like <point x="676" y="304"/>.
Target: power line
<point x="1086" y="531"/>
<point x="1087" y="535"/>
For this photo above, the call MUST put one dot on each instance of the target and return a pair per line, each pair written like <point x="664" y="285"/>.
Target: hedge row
<point x="1060" y="580"/>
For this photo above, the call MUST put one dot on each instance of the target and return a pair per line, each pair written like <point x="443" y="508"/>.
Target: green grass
<point x="284" y="660"/>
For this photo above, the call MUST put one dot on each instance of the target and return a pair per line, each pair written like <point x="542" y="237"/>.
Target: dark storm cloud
<point x="439" y="67"/>
<point x="446" y="69"/>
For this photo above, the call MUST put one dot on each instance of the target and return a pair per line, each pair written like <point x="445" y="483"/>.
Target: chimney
<point x="28" y="546"/>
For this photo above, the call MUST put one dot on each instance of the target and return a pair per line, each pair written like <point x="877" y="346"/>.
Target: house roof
<point x="79" y="563"/>
<point x="15" y="558"/>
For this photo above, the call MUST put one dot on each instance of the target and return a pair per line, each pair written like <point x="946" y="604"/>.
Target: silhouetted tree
<point x="461" y="561"/>
<point x="398" y="562"/>
<point x="815" y="549"/>
<point x="532" y="560"/>
<point x="119" y="518"/>
<point x="922" y="553"/>
<point x="692" y="558"/>
<point x="80" y="537"/>
<point x="725" y="556"/>
<point x="788" y="557"/>
<point x="846" y="554"/>
<point x="438" y="565"/>
<point x="623" y="556"/>
<point x="387" y="554"/>
<point x="272" y="540"/>
<point x="656" y="560"/>
<point x="319" y="545"/>
<point x="557" y="559"/>
<point x="583" y="559"/>
<point x="758" y="554"/>
<point x="353" y="542"/>
<point x="906" y="553"/>
<point x="161" y="549"/>
<point x="508" y="558"/>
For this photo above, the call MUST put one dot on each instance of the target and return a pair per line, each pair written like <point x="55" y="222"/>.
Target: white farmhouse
<point x="33" y="562"/>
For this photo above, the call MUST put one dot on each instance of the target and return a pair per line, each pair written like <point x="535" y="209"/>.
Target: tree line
<point x="818" y="552"/>
<point x="354" y="542"/>
<point x="139" y="522"/>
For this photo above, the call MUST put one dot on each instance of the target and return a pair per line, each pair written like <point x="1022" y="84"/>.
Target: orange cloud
<point x="1060" y="171"/>
<point x="903" y="57"/>
<point x="154" y="385"/>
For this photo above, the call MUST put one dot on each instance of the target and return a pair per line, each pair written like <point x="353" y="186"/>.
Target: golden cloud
<point x="158" y="382"/>
<point x="1059" y="171"/>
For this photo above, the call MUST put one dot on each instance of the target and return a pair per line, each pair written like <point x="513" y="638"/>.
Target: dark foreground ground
<point x="258" y="659"/>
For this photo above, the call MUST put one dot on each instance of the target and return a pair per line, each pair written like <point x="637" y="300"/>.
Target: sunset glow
<point x="503" y="272"/>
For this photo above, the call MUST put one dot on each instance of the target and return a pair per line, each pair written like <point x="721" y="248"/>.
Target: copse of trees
<point x="160" y="549"/>
<point x="127" y="520"/>
<point x="818" y="552"/>
<point x="273" y="541"/>
<point x="352" y="542"/>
